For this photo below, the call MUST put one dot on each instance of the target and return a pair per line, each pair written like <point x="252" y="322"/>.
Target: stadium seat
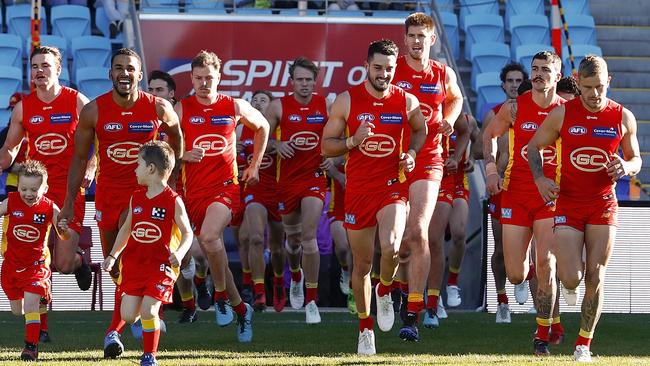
<point x="346" y="13"/>
<point x="253" y="11"/>
<point x="525" y="29"/>
<point x="10" y="50"/>
<point x="297" y="12"/>
<point x="93" y="81"/>
<point x="444" y="5"/>
<point x="489" y="92"/>
<point x="70" y="21"/>
<point x="582" y="29"/>
<point x="11" y="79"/>
<point x="524" y="53"/>
<point x="53" y="41"/>
<point x="103" y="24"/>
<point x="521" y="7"/>
<point x="488" y="57"/>
<point x="482" y="28"/>
<point x="450" y="22"/>
<point x="19" y="19"/>
<point x="204" y="7"/>
<point x="160" y="6"/>
<point x="482" y="7"/>
<point x="91" y="51"/>
<point x="576" y="7"/>
<point x="579" y="51"/>
<point x="5" y="115"/>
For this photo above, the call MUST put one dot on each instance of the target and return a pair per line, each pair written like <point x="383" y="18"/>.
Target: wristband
<point x="110" y="255"/>
<point x="490" y="169"/>
<point x="349" y="143"/>
<point x="412" y="155"/>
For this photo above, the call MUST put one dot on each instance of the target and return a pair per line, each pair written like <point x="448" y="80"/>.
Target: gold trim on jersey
<point x="558" y="156"/>
<point x="511" y="158"/>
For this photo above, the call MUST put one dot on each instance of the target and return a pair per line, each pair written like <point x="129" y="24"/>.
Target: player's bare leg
<point x="499" y="274"/>
<point x="311" y="212"/>
<point x="243" y="249"/>
<point x="457" y="226"/>
<point x="436" y="246"/>
<point x="293" y="228"/>
<point x="276" y="245"/>
<point x="252" y="237"/>
<point x="545" y="267"/>
<point x="362" y="245"/>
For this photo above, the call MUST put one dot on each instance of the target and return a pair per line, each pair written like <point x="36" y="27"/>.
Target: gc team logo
<point x="124" y="153"/>
<point x="212" y="144"/>
<point x="378" y="146"/>
<point x="304" y="140"/>
<point x="588" y="159"/>
<point x="51" y="144"/>
<point x="549" y="154"/>
<point x="26" y="233"/>
<point x="146" y="232"/>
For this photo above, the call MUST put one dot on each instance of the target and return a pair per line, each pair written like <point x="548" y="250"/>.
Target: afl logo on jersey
<point x="36" y="120"/>
<point x="588" y="159"/>
<point x="378" y="146"/>
<point x="137" y="210"/>
<point x="17" y="214"/>
<point x="529" y="126"/>
<point x="212" y="144"/>
<point x="51" y="144"/>
<point x="304" y="140"/>
<point x="197" y="120"/>
<point x="404" y="85"/>
<point x="577" y="130"/>
<point x="124" y="153"/>
<point x="26" y="233"/>
<point x="365" y="117"/>
<point x="146" y="232"/>
<point x="113" y="127"/>
<point x="295" y="118"/>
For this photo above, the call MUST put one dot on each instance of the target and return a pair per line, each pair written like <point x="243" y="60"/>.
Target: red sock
<point x="404" y="287"/>
<point x="415" y="306"/>
<point x="189" y="304"/>
<point x="383" y="290"/>
<point x="557" y="328"/>
<point x="583" y="341"/>
<point x="258" y="288"/>
<point x="220" y="295"/>
<point x="366" y="323"/>
<point x="32" y="327"/>
<point x="198" y="280"/>
<point x="296" y="276"/>
<point x="531" y="272"/>
<point x="502" y="298"/>
<point x="311" y="295"/>
<point x="543" y="329"/>
<point x="452" y="279"/>
<point x="432" y="301"/>
<point x="150" y="340"/>
<point x="240" y="308"/>
<point x="117" y="323"/>
<point x="278" y="281"/>
<point x="44" y="322"/>
<point x="247" y="279"/>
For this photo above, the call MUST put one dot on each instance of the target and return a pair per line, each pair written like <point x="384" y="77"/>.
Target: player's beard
<point x="377" y="86"/>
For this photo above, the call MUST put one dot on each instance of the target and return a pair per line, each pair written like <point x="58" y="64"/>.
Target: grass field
<point x="284" y="339"/>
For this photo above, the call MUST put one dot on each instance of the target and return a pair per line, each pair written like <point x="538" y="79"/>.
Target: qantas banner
<point x="256" y="52"/>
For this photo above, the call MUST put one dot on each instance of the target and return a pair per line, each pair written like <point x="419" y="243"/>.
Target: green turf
<point x="284" y="339"/>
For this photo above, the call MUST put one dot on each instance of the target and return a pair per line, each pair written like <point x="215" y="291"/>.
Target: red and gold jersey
<point x="587" y="139"/>
<point x="429" y="86"/>
<point x="374" y="164"/>
<point x="120" y="132"/>
<point x="518" y="177"/>
<point x="49" y="129"/>
<point x="268" y="166"/>
<point x="25" y="231"/>
<point x="302" y="126"/>
<point x="449" y="149"/>
<point x="153" y="234"/>
<point x="212" y="128"/>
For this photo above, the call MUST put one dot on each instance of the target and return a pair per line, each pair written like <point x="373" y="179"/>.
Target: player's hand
<point x="494" y="183"/>
<point x="547" y="189"/>
<point x="174" y="260"/>
<point x="469" y="165"/>
<point x="363" y="132"/>
<point x="406" y="162"/>
<point x="251" y="176"/>
<point x="67" y="212"/>
<point x="62" y="224"/>
<point x="445" y="128"/>
<point x="616" y="167"/>
<point x="285" y="150"/>
<point x="194" y="156"/>
<point x="451" y="166"/>
<point x="108" y="264"/>
<point x="327" y="165"/>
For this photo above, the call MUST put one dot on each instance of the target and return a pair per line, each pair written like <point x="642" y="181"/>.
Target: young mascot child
<point x="152" y="242"/>
<point x="28" y="216"/>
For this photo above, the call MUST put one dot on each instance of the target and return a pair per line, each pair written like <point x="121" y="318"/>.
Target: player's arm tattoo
<point x="545" y="301"/>
<point x="591" y="310"/>
<point x="535" y="163"/>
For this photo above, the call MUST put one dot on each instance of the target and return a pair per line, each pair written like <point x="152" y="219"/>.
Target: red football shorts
<point x="156" y="284"/>
<point x="110" y="203"/>
<point x="580" y="214"/>
<point x="426" y="168"/>
<point x="197" y="207"/>
<point x="522" y="209"/>
<point x="33" y="279"/>
<point x="361" y="208"/>
<point x="291" y="195"/>
<point x="494" y="206"/>
<point x="453" y="187"/>
<point x="57" y="195"/>
<point x="264" y="197"/>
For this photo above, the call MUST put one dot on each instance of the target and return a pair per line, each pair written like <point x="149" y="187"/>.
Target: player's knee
<point x="310" y="246"/>
<point x="516" y="278"/>
<point x="361" y="267"/>
<point x="129" y="316"/>
<point x="594" y="279"/>
<point x="458" y="236"/>
<point x="208" y="239"/>
<point x="256" y="240"/>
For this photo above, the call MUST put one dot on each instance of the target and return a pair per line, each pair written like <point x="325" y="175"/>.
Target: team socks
<point x="150" y="335"/>
<point x="312" y="292"/>
<point x="117" y="324"/>
<point x="32" y="327"/>
<point x="502" y="298"/>
<point x="584" y="338"/>
<point x="432" y="298"/>
<point x="543" y="329"/>
<point x="452" y="278"/>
